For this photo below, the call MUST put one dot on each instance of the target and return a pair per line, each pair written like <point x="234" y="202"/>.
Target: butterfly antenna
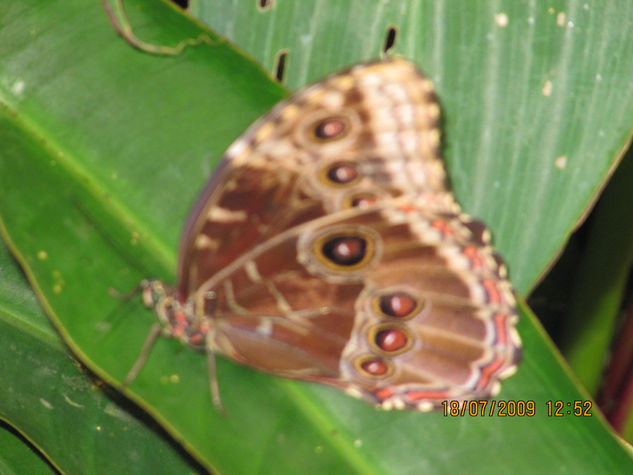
<point x="115" y="314"/>
<point x="143" y="355"/>
<point x="128" y="295"/>
<point x="213" y="382"/>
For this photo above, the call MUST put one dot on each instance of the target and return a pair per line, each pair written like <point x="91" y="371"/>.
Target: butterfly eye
<point x="397" y="304"/>
<point x="390" y="339"/>
<point x="342" y="173"/>
<point x="373" y="366"/>
<point x="153" y="292"/>
<point x="345" y="250"/>
<point x="340" y="252"/>
<point x="330" y="128"/>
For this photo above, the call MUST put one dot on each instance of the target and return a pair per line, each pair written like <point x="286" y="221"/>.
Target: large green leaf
<point x="601" y="280"/>
<point x="17" y="456"/>
<point x="536" y="96"/>
<point x="105" y="148"/>
<point x="49" y="397"/>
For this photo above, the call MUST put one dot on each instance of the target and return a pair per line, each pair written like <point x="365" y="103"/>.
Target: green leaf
<point x="18" y="456"/>
<point x="105" y="149"/>
<point x="47" y="396"/>
<point x="536" y="108"/>
<point x="601" y="280"/>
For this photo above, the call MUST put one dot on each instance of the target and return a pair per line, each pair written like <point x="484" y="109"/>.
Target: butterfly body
<point x="327" y="247"/>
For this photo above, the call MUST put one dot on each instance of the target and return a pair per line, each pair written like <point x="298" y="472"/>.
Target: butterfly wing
<point x="353" y="139"/>
<point x="395" y="303"/>
<point x="327" y="247"/>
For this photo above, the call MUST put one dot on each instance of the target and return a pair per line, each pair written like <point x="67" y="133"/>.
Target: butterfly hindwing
<point x="397" y="304"/>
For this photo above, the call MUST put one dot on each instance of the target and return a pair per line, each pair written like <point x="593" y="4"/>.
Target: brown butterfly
<point x="327" y="247"/>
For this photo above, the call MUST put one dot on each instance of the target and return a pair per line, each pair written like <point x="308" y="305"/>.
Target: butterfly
<point x="327" y="247"/>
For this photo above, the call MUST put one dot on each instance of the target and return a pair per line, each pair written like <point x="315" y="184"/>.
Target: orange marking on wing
<point x="500" y="327"/>
<point x="384" y="393"/>
<point x="443" y="227"/>
<point x="473" y="255"/>
<point x="407" y="208"/>
<point x="488" y="371"/>
<point x="494" y="296"/>
<point x="415" y="396"/>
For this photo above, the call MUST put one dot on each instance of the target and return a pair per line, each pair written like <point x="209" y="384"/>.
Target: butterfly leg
<point x="143" y="355"/>
<point x="213" y="381"/>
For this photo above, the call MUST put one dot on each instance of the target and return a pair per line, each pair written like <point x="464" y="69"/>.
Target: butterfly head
<point x="152" y="292"/>
<point x="176" y="316"/>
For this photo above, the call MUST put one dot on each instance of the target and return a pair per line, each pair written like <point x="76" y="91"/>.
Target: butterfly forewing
<point x="358" y="137"/>
<point x="327" y="247"/>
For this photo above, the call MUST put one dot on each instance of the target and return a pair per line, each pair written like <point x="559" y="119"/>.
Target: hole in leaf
<point x="390" y="39"/>
<point x="265" y="4"/>
<point x="184" y="4"/>
<point x="280" y="68"/>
